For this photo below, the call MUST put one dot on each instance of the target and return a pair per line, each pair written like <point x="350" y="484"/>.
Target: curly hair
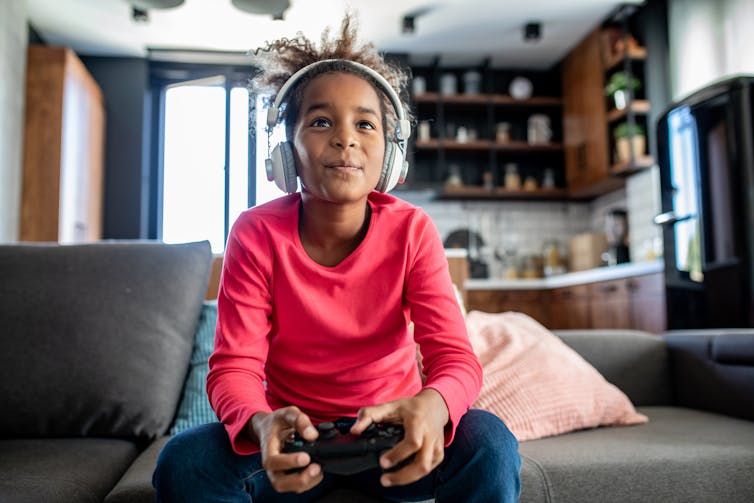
<point x="278" y="60"/>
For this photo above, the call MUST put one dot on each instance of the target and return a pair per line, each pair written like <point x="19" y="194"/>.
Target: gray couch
<point x="96" y="346"/>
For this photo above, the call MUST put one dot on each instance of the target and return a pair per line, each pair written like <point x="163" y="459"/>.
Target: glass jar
<point x="503" y="132"/>
<point x="512" y="178"/>
<point x="548" y="181"/>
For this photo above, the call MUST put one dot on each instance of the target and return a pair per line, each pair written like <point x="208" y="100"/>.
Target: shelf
<point x="633" y="54"/>
<point x="636" y="106"/>
<point x="626" y="168"/>
<point x="484" y="145"/>
<point x="487" y="99"/>
<point x="471" y="192"/>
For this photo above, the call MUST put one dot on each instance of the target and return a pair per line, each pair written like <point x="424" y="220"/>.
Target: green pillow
<point x="194" y="408"/>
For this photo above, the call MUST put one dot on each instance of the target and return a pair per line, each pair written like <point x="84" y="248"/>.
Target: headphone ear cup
<point x="284" y="167"/>
<point x="392" y="168"/>
<point x="387" y="167"/>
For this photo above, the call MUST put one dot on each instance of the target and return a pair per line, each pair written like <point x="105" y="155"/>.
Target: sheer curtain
<point x="709" y="40"/>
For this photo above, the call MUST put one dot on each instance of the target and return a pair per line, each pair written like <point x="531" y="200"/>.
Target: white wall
<point x="13" y="42"/>
<point x="708" y="40"/>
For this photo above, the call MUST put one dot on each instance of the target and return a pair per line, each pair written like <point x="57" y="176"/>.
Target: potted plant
<point x="629" y="138"/>
<point x="618" y="87"/>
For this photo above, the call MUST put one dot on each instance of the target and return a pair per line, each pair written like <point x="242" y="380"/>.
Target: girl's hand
<point x="423" y="417"/>
<point x="271" y="430"/>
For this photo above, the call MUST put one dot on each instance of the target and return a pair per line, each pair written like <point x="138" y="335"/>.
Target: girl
<point x="316" y="296"/>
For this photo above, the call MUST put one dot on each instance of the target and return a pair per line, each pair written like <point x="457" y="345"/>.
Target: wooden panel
<point x="584" y="113"/>
<point x="82" y="155"/>
<point x="609" y="304"/>
<point x="531" y="302"/>
<point x="648" y="302"/>
<point x="570" y="308"/>
<point x="487" y="301"/>
<point x="214" y="277"/>
<point x="40" y="196"/>
<point x="63" y="149"/>
<point x="459" y="273"/>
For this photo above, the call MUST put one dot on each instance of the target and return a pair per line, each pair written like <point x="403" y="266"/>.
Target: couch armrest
<point x="713" y="370"/>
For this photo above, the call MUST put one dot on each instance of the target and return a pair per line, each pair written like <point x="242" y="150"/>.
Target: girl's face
<point x="338" y="140"/>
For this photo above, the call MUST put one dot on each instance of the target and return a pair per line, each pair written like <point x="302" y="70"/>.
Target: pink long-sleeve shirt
<point x="331" y="340"/>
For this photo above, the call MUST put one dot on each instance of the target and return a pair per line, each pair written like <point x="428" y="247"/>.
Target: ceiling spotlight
<point x="532" y="31"/>
<point x="139" y="15"/>
<point x="408" y="21"/>
<point x="274" y="8"/>
<point x="407" y="25"/>
<point x="155" y="4"/>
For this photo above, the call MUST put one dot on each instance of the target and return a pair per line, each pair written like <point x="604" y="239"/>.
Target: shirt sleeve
<point x="448" y="360"/>
<point x="235" y="383"/>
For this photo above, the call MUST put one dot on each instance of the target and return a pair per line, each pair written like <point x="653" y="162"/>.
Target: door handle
<point x="670" y="218"/>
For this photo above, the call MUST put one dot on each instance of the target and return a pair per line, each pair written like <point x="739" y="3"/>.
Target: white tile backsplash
<point x="527" y="225"/>
<point x="643" y="204"/>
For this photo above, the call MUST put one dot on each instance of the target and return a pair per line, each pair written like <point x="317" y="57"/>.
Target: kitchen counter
<point x="606" y="273"/>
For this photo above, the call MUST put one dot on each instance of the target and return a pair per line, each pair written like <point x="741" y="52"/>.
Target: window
<point x="209" y="167"/>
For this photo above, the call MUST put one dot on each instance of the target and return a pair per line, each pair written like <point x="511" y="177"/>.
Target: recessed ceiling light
<point x="274" y="8"/>
<point x="155" y="4"/>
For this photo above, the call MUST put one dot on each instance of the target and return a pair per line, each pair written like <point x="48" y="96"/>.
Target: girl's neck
<point x="331" y="232"/>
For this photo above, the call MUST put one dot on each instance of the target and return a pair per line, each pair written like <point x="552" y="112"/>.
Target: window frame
<point x="163" y="75"/>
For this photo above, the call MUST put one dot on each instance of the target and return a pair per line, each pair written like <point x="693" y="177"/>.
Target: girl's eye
<point x="366" y="125"/>
<point x="320" y="123"/>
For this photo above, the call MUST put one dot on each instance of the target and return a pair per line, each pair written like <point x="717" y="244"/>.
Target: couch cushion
<point x="635" y="361"/>
<point x="537" y="384"/>
<point x="62" y="470"/>
<point x="96" y="338"/>
<point x="136" y="484"/>
<point x="194" y="408"/>
<point x="680" y="455"/>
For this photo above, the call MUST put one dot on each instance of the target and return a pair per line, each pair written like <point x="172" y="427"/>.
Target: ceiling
<point x="460" y="32"/>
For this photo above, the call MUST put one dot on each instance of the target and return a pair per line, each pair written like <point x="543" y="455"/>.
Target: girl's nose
<point x="343" y="137"/>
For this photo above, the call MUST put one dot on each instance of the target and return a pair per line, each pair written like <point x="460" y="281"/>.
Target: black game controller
<point x="341" y="453"/>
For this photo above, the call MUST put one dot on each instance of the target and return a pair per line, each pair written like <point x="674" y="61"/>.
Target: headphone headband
<point x="281" y="165"/>
<point x="403" y="131"/>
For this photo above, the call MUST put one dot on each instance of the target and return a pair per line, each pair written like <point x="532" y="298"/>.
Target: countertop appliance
<point x="706" y="157"/>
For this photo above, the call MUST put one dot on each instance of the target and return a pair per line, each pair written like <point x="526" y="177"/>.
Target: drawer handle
<point x="609" y="288"/>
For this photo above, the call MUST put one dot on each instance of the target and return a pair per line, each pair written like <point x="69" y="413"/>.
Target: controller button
<point x="326" y="426"/>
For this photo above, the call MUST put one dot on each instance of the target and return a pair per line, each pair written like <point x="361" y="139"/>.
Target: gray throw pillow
<point x="96" y="338"/>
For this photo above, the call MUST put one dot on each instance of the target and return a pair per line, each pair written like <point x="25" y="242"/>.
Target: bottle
<point x="503" y="132"/>
<point x="548" y="182"/>
<point x="530" y="183"/>
<point x="487" y="181"/>
<point x="454" y="178"/>
<point x="512" y="178"/>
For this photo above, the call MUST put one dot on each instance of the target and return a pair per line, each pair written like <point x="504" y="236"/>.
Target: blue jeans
<point x="482" y="464"/>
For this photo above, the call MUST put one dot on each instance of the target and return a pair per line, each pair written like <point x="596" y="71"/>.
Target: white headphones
<point x="280" y="164"/>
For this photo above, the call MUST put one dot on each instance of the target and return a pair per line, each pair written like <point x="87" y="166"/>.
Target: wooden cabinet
<point x="647" y="294"/>
<point x="609" y="304"/>
<point x="531" y="302"/>
<point x="636" y="302"/>
<point x="585" y="121"/>
<point x="457" y="136"/>
<point x="63" y="149"/>
<point x="569" y="307"/>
